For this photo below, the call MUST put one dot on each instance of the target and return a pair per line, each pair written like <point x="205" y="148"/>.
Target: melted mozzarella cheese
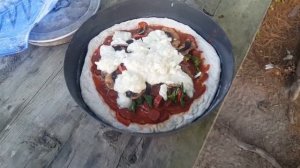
<point x="151" y="59"/>
<point x="120" y="38"/>
<point x="123" y="101"/>
<point x="163" y="91"/>
<point x="110" y="59"/>
<point x="130" y="81"/>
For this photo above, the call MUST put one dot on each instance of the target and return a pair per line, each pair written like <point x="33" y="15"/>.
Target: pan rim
<point x="215" y="102"/>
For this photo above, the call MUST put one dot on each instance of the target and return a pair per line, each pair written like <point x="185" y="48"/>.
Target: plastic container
<point x="17" y="18"/>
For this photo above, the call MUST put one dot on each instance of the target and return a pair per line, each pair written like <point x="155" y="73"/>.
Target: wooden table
<point x="41" y="125"/>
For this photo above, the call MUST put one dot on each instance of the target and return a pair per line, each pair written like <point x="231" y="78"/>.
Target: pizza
<point x="149" y="75"/>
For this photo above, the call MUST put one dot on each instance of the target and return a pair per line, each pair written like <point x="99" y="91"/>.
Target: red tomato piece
<point x="143" y="25"/>
<point x="163" y="116"/>
<point x="122" y="120"/>
<point x="179" y="95"/>
<point x="138" y="36"/>
<point x="145" y="108"/>
<point x="157" y="101"/>
<point x="197" y="53"/>
<point x="154" y="114"/>
<point x="167" y="103"/>
<point x="151" y="113"/>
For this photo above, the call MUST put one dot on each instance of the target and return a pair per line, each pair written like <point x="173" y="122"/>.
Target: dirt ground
<point x="259" y="126"/>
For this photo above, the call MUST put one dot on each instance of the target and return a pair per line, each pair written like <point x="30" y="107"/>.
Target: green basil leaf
<point x="133" y="106"/>
<point x="196" y="62"/>
<point x="187" y="57"/>
<point x="182" y="102"/>
<point x="149" y="100"/>
<point x="140" y="101"/>
<point x="173" y="95"/>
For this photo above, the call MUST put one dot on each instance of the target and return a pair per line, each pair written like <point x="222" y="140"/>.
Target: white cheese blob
<point x="109" y="60"/>
<point x="198" y="75"/>
<point x="123" y="101"/>
<point x="120" y="38"/>
<point x="163" y="91"/>
<point x="138" y="47"/>
<point x="129" y="81"/>
<point x="151" y="59"/>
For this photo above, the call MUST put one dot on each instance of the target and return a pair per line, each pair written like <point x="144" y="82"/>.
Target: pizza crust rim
<point x="103" y="111"/>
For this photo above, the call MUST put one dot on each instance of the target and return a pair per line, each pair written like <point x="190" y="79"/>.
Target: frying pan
<point x="133" y="9"/>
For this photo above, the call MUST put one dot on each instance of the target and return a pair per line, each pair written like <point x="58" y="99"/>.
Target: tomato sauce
<point x="144" y="114"/>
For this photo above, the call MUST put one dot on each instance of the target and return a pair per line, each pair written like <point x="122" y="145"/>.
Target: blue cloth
<point x="17" y="18"/>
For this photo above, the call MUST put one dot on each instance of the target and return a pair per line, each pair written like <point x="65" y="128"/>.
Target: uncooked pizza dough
<point x="103" y="111"/>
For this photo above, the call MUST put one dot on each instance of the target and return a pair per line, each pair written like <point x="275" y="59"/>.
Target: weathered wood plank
<point x="209" y="6"/>
<point x="24" y="80"/>
<point x="41" y="129"/>
<point x="10" y="63"/>
<point x="53" y="130"/>
<point x="241" y="19"/>
<point x="176" y="150"/>
<point x="135" y="152"/>
<point x="91" y="146"/>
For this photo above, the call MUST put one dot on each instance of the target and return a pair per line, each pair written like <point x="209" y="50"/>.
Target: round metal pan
<point x="133" y="9"/>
